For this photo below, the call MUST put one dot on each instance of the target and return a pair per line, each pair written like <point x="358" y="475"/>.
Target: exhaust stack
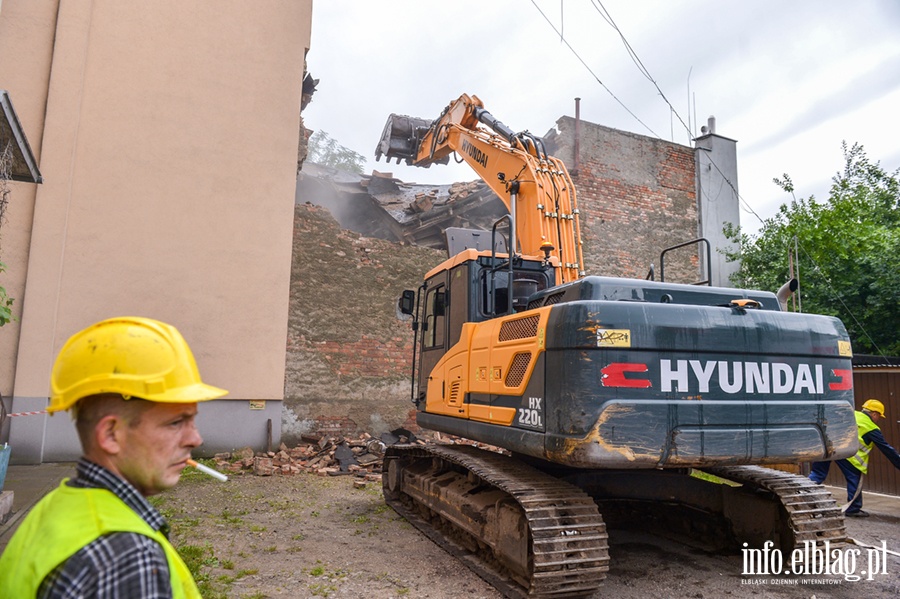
<point x="786" y="291"/>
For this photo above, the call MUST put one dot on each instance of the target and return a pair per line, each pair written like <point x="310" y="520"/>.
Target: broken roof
<point x="23" y="165"/>
<point x="380" y="205"/>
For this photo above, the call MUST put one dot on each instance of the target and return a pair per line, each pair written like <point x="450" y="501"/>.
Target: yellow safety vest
<point x="864" y="426"/>
<point x="64" y="521"/>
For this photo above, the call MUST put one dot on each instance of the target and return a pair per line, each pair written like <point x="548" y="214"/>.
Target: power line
<point x="635" y="59"/>
<point x="604" y="13"/>
<point x="734" y="189"/>
<point x="837" y="296"/>
<point x="608" y="18"/>
<point x="581" y="60"/>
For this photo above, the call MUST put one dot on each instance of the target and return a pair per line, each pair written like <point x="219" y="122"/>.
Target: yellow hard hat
<point x="873" y="405"/>
<point x="131" y="356"/>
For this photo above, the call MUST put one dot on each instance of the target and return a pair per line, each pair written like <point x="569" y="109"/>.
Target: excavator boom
<point x="535" y="186"/>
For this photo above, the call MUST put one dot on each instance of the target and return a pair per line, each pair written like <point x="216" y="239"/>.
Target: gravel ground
<point x="312" y="536"/>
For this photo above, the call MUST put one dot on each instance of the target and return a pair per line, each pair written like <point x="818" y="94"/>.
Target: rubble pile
<point x="380" y="205"/>
<point x="324" y="456"/>
<point x="329" y="455"/>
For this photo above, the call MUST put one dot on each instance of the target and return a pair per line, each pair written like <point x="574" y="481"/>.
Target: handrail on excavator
<point x="662" y="264"/>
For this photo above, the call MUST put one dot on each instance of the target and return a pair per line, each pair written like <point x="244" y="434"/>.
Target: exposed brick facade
<point x="349" y="352"/>
<point x="636" y="196"/>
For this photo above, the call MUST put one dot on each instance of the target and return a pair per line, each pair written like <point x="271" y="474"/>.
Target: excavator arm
<point x="536" y="187"/>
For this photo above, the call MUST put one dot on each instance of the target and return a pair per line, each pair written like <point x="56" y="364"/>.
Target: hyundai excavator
<point x="606" y="396"/>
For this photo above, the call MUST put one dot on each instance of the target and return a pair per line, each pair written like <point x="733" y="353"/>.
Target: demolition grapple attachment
<point x="401" y="138"/>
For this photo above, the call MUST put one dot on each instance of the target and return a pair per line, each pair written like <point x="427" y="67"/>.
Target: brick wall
<point x="349" y="351"/>
<point x="636" y="196"/>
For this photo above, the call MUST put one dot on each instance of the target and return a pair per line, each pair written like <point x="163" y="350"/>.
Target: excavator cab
<point x="474" y="286"/>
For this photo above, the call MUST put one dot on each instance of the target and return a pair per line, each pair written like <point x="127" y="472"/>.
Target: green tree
<point x="325" y="150"/>
<point x="849" y="252"/>
<point x="6" y="302"/>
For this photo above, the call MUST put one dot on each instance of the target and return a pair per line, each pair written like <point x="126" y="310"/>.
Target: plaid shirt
<point x="122" y="565"/>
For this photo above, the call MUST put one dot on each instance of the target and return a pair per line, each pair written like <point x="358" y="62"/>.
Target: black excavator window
<point x="434" y="324"/>
<point x="495" y="290"/>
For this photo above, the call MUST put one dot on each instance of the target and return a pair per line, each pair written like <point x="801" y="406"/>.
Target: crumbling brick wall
<point x="349" y="350"/>
<point x="636" y="196"/>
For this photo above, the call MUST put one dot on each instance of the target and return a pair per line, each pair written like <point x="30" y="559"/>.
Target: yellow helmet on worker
<point x="131" y="356"/>
<point x="873" y="405"/>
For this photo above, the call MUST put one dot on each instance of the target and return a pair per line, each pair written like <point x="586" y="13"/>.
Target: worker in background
<point x="133" y="387"/>
<point x="857" y="465"/>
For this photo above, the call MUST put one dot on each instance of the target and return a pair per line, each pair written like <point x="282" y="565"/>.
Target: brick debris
<point x="327" y="455"/>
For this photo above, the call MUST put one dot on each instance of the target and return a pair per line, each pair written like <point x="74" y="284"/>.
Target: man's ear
<point x="108" y="434"/>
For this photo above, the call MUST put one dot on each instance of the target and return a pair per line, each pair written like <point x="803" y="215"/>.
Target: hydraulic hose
<point x="491" y="121"/>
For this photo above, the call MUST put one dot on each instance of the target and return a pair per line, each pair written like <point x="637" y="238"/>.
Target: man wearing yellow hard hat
<point x="132" y="385"/>
<point x="855" y="466"/>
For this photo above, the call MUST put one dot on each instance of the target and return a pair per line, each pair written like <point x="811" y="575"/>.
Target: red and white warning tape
<point x="27" y="413"/>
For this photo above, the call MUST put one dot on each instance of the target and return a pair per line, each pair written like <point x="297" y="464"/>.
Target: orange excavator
<point x="606" y="396"/>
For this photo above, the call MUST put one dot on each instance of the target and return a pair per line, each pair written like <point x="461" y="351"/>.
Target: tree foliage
<point x="6" y="302"/>
<point x="325" y="150"/>
<point x="849" y="252"/>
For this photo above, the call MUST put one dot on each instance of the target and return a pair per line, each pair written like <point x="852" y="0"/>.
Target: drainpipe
<point x="577" y="135"/>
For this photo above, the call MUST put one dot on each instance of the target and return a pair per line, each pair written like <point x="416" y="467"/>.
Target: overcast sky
<point x="788" y="80"/>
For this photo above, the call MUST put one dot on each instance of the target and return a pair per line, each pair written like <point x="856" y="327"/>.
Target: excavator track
<point x="813" y="515"/>
<point x="756" y="506"/>
<point x="525" y="532"/>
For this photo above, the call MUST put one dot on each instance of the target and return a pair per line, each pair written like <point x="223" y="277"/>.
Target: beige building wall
<point x="166" y="133"/>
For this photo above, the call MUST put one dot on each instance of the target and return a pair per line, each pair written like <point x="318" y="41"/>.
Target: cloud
<point x="854" y="94"/>
<point x="789" y="81"/>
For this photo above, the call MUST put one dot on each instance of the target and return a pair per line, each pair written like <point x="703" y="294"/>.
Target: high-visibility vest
<point x="864" y="426"/>
<point x="64" y="521"/>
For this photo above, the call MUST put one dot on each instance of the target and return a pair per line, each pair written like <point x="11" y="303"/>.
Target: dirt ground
<point x="311" y="536"/>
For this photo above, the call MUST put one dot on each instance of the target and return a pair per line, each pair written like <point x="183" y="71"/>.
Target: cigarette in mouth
<point x="207" y="470"/>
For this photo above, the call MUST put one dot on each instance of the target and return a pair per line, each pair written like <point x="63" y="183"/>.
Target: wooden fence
<point x="882" y="383"/>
